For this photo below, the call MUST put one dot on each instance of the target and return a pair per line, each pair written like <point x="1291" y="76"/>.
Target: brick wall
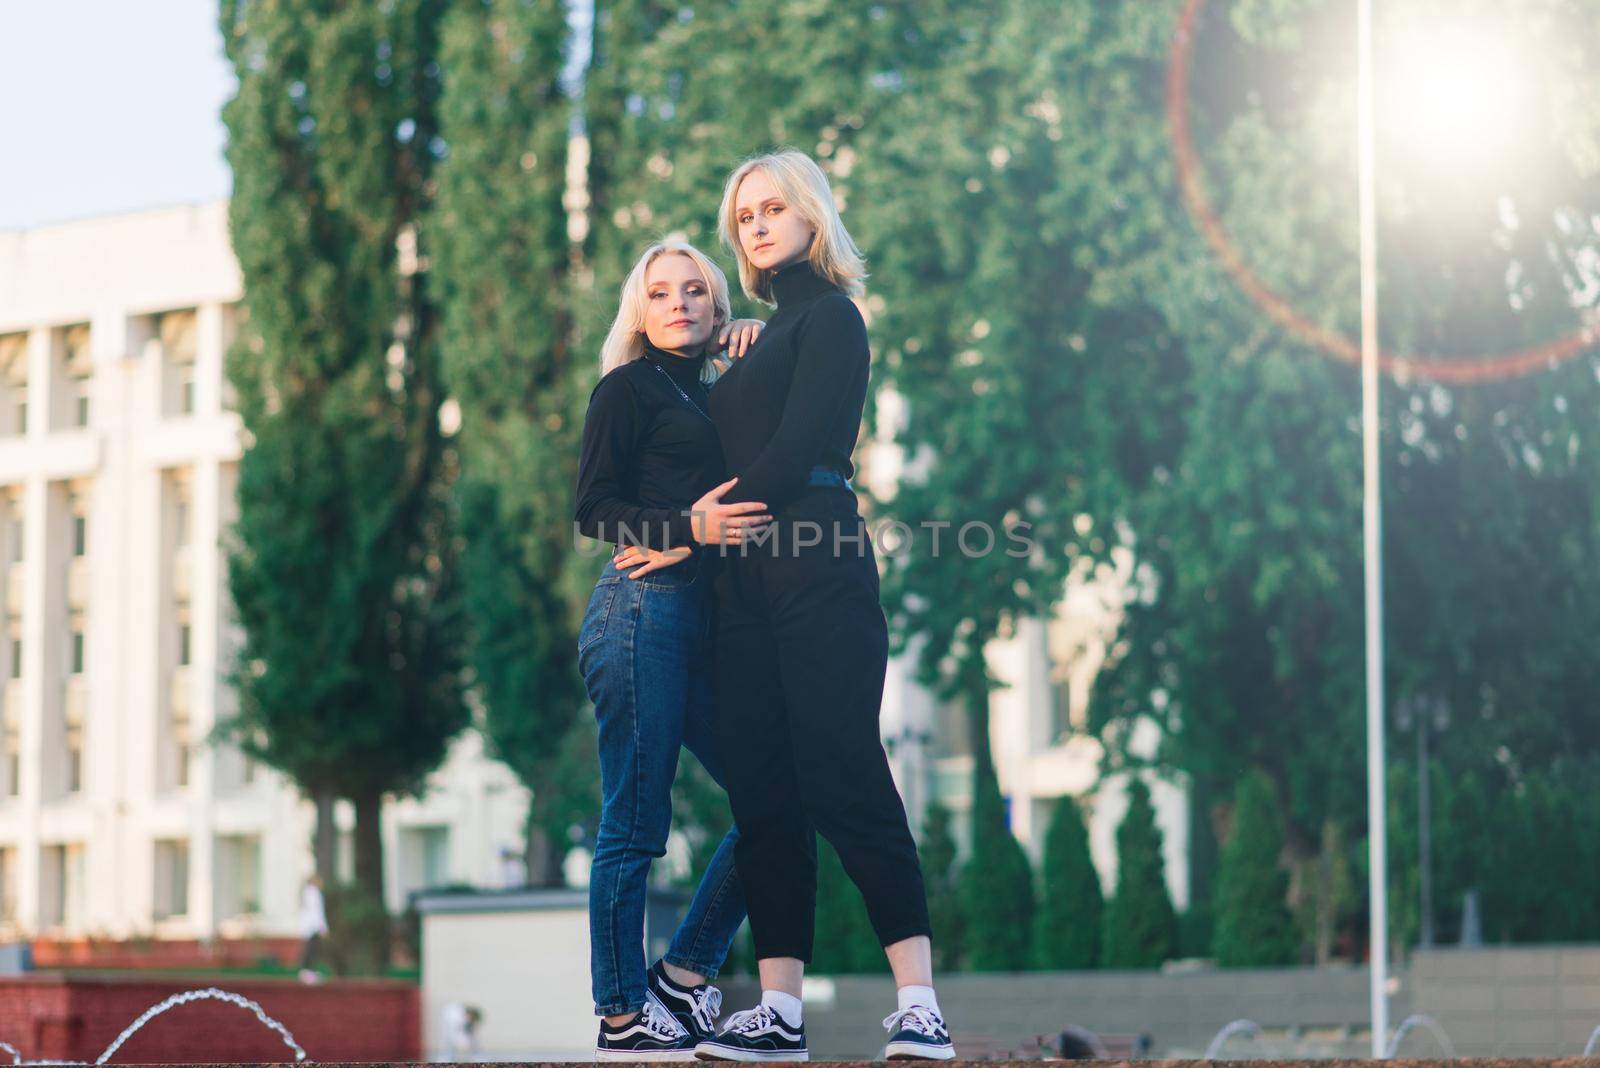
<point x="75" y="1017"/>
<point x="50" y="953"/>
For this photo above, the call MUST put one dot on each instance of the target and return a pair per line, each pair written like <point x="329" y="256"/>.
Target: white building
<point x="118" y="461"/>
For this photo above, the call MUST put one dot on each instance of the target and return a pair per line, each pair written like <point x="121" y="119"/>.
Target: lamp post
<point x="1372" y="529"/>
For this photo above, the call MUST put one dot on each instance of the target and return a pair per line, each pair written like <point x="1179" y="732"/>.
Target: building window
<point x="16" y="656"/>
<point x="82" y="414"/>
<point x="22" y="411"/>
<point x="77" y="649"/>
<point x="80" y="535"/>
<point x="8" y="884"/>
<point x="180" y="521"/>
<point x="74" y="757"/>
<point x="18" y="535"/>
<point x="11" y="745"/>
<point x="183" y="644"/>
<point x="13" y="382"/>
<point x="172" y="879"/>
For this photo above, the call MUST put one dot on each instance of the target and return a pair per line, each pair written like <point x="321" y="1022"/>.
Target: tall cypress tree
<point x="1140" y="926"/>
<point x="501" y="260"/>
<point x="343" y="563"/>
<point x="940" y="877"/>
<point x="1253" y="925"/>
<point x="996" y="883"/>
<point x="1067" y="934"/>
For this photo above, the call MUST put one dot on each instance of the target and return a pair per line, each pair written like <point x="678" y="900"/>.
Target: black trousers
<point x="801" y="653"/>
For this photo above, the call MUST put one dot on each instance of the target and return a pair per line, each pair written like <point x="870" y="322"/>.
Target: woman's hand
<point x="736" y="338"/>
<point x="715" y="523"/>
<point x="648" y="560"/>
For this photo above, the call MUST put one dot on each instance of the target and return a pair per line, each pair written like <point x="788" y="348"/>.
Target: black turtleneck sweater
<point x="794" y="401"/>
<point x="647" y="453"/>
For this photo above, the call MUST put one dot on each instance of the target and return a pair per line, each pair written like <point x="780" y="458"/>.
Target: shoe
<point x="917" y="1034"/>
<point x="653" y="1035"/>
<point x="694" y="1007"/>
<point x="757" y="1034"/>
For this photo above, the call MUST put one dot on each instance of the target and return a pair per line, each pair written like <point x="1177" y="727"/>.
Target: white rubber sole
<point x="628" y="1055"/>
<point x="917" y="1051"/>
<point x="716" y="1051"/>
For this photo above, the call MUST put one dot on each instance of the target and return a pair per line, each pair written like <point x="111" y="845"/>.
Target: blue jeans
<point x="645" y="653"/>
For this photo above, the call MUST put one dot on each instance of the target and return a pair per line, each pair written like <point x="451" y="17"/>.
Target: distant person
<point x="648" y="478"/>
<point x="313" y="928"/>
<point x="461" y="1032"/>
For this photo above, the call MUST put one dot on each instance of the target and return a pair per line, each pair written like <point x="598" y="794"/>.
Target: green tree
<point x="1071" y="902"/>
<point x="996" y="889"/>
<point x="1140" y="927"/>
<point x="941" y="879"/>
<point x="1253" y="925"/>
<point x="501" y="260"/>
<point x="342" y="564"/>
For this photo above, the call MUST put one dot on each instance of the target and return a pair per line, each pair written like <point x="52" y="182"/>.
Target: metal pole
<point x="1372" y="548"/>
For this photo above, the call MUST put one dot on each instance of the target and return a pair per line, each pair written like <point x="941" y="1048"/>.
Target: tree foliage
<point x="1253" y="925"/>
<point x="1067" y="933"/>
<point x="1140" y="926"/>
<point x="501" y="258"/>
<point x="343" y="563"/>
<point x="941" y="879"/>
<point x="996" y="889"/>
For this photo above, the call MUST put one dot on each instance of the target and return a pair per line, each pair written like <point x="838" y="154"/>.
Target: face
<point x="679" y="314"/>
<point x="771" y="232"/>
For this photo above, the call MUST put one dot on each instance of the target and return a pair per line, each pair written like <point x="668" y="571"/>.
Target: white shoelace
<point x="707" y="1004"/>
<point x="919" y="1018"/>
<point x="659" y="1022"/>
<point x="750" y="1019"/>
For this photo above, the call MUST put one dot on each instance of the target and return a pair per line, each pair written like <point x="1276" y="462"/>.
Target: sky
<point x="109" y="106"/>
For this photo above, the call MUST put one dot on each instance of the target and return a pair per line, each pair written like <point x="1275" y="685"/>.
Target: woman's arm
<point x="611" y="432"/>
<point x="832" y="354"/>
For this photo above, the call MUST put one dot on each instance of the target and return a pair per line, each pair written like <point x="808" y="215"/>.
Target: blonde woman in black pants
<point x="801" y="640"/>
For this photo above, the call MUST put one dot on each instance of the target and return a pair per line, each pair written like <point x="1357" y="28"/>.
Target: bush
<point x="1140" y="926"/>
<point x="1254" y="928"/>
<point x="940" y="878"/>
<point x="996" y="886"/>
<point x="1070" y="902"/>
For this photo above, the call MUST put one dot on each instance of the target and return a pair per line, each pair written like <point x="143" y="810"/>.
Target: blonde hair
<point x="804" y="189"/>
<point x="625" y="340"/>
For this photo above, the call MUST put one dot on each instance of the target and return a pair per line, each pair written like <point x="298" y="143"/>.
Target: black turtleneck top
<point x="647" y="454"/>
<point x="795" y="400"/>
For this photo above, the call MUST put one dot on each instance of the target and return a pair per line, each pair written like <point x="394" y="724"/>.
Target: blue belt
<point x="827" y="476"/>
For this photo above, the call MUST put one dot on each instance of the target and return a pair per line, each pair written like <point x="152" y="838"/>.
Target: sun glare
<point x="1454" y="96"/>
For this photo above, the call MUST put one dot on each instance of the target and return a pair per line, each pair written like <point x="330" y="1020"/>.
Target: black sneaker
<point x="694" y="1007"/>
<point x="917" y="1034"/>
<point x="757" y="1034"/>
<point x="653" y="1035"/>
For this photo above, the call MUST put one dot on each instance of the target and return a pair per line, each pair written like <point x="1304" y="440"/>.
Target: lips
<point x="764" y="244"/>
<point x="681" y="322"/>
